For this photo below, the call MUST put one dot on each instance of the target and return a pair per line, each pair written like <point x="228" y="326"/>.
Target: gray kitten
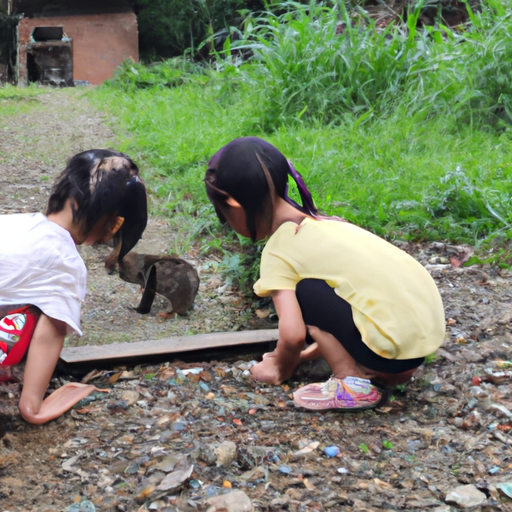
<point x="173" y="278"/>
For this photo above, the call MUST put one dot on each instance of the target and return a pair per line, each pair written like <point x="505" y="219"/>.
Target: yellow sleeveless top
<point x="395" y="303"/>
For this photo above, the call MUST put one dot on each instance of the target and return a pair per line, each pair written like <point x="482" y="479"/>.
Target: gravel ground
<point x="175" y="435"/>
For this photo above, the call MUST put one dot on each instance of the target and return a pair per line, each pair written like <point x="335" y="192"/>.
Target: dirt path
<point x="155" y="441"/>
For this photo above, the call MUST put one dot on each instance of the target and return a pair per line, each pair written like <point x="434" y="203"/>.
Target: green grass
<point x="395" y="176"/>
<point x="14" y="100"/>
<point x="405" y="133"/>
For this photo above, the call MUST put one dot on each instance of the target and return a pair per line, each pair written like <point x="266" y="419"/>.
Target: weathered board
<point x="173" y="345"/>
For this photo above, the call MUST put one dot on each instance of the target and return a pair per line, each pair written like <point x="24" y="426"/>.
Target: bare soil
<point x="155" y="440"/>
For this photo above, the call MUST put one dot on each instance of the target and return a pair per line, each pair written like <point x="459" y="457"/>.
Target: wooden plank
<point x="172" y="345"/>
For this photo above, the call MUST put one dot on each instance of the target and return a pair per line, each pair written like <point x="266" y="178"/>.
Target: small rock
<point x="157" y="505"/>
<point x="168" y="463"/>
<point x="280" y="503"/>
<point x="499" y="410"/>
<point x="505" y="489"/>
<point x="195" y="484"/>
<point x="331" y="451"/>
<point x="82" y="506"/>
<point x="466" y="496"/>
<point x="235" y="501"/>
<point x="308" y="451"/>
<point x="226" y="453"/>
<point x="130" y="396"/>
<point x="178" y="426"/>
<point x="178" y="477"/>
<point x="206" y="453"/>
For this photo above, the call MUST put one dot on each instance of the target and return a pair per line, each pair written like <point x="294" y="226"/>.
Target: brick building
<point x="59" y="42"/>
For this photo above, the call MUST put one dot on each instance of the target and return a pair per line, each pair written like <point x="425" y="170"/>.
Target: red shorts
<point x="16" y="330"/>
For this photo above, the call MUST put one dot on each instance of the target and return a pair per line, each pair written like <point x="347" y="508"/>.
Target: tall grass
<point x="316" y="62"/>
<point x="404" y="132"/>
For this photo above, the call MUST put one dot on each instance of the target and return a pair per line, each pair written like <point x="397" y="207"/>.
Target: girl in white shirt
<point x="98" y="197"/>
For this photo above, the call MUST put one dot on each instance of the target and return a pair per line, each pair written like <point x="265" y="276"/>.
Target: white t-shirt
<point x="40" y="265"/>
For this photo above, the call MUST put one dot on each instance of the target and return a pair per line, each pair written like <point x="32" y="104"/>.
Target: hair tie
<point x="308" y="206"/>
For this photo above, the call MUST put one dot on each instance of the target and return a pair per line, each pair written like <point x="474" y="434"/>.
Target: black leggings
<point x="322" y="308"/>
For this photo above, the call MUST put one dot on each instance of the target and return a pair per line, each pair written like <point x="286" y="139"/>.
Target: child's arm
<point x="43" y="354"/>
<point x="279" y="365"/>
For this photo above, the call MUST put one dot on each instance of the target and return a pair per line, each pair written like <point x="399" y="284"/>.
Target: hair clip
<point x="307" y="200"/>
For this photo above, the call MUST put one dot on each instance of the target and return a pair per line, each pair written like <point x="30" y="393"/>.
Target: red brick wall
<point x="100" y="43"/>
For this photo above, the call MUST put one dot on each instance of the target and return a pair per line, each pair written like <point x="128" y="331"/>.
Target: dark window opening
<point x="48" y="33"/>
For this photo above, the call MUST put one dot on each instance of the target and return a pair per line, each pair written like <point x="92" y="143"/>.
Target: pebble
<point x="505" y="489"/>
<point x="234" y="501"/>
<point x="466" y="496"/>
<point x="82" y="506"/>
<point x="308" y="451"/>
<point x="195" y="484"/>
<point x="174" y="480"/>
<point x="226" y="453"/>
<point x="332" y="451"/>
<point x="130" y="397"/>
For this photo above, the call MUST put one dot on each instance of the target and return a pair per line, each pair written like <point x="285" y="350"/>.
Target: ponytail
<point x="308" y="206"/>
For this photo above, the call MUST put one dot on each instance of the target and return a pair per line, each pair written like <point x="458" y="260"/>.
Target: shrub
<point x="168" y="28"/>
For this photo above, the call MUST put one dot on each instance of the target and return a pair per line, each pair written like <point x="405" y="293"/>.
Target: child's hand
<point x="271" y="370"/>
<point x="268" y="355"/>
<point x="267" y="371"/>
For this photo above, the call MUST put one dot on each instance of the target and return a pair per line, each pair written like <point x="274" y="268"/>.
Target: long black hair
<point x="252" y="171"/>
<point x="100" y="184"/>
